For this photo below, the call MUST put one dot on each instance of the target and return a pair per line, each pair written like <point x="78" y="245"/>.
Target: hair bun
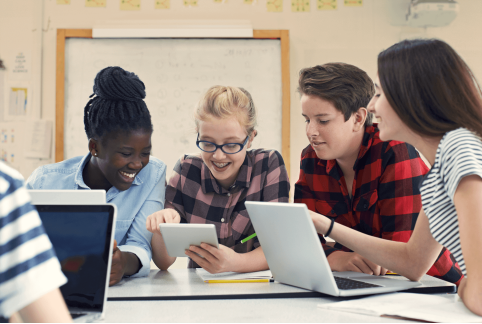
<point x="115" y="83"/>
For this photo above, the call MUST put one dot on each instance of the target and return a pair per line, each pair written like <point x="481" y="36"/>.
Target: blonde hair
<point x="225" y="102"/>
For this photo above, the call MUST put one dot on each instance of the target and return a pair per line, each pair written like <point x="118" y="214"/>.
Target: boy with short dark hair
<point x="349" y="174"/>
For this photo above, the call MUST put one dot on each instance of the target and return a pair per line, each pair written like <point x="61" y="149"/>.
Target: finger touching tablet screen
<point x="179" y="237"/>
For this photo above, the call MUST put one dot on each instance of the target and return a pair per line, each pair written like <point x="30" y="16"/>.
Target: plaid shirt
<point x="199" y="199"/>
<point x="386" y="196"/>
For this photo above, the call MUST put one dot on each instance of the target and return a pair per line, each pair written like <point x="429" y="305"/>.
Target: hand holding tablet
<point x="179" y="237"/>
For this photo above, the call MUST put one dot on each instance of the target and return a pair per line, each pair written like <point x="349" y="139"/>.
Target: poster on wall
<point x="38" y="141"/>
<point x="21" y="69"/>
<point x="18" y="102"/>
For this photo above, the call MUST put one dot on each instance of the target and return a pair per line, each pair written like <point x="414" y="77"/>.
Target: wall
<point x="350" y="34"/>
<point x="20" y="31"/>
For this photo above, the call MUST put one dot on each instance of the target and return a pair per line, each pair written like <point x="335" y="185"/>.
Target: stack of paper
<point x="432" y="308"/>
<point x="258" y="276"/>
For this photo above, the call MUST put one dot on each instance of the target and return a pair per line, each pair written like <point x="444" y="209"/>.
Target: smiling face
<point x="390" y="125"/>
<point x="120" y="156"/>
<point x="330" y="136"/>
<point x="224" y="167"/>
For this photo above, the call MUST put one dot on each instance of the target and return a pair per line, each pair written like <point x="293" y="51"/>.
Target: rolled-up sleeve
<point x="138" y="237"/>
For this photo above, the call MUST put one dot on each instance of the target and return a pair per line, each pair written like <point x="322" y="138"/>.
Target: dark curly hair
<point x="116" y="104"/>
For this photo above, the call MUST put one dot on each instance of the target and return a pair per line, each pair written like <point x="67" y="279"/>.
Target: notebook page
<point x="453" y="311"/>
<point x="433" y="308"/>
<point x="233" y="275"/>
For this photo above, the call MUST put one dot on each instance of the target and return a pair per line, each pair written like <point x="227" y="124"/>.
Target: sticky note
<point x="163" y="4"/>
<point x="300" y="5"/>
<point x="190" y="3"/>
<point x="63" y="1"/>
<point x="327" y="4"/>
<point x="95" y="3"/>
<point x="353" y="3"/>
<point x="130" y="4"/>
<point x="275" y="5"/>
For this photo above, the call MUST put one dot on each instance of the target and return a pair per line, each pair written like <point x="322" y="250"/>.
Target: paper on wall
<point x="300" y="5"/>
<point x="190" y="3"/>
<point x="96" y="3"/>
<point x="353" y="3"/>
<point x="163" y="4"/>
<point x="21" y="68"/>
<point x="2" y="93"/>
<point x="17" y="107"/>
<point x="38" y="142"/>
<point x="130" y="5"/>
<point x="327" y="4"/>
<point x="274" y="5"/>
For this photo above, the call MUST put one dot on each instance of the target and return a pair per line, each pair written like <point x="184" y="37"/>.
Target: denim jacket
<point x="144" y="197"/>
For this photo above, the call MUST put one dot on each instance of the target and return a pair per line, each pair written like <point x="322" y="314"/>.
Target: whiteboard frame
<point x="282" y="35"/>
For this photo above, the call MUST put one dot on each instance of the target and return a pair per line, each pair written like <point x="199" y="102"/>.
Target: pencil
<point x="239" y="281"/>
<point x="390" y="273"/>
<point x="248" y="238"/>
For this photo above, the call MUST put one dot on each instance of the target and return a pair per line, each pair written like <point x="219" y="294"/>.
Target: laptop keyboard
<point x="345" y="283"/>
<point x="75" y="315"/>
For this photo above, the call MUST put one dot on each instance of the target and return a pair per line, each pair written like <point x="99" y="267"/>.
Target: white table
<point x="183" y="284"/>
<point x="186" y="284"/>
<point x="232" y="311"/>
<point x="179" y="295"/>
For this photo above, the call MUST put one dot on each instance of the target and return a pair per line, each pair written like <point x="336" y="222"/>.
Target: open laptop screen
<point x="81" y="237"/>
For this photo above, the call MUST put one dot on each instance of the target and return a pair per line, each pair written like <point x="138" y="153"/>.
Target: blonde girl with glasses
<point x="210" y="187"/>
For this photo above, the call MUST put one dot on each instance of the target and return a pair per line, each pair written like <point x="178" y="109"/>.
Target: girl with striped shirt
<point x="427" y="96"/>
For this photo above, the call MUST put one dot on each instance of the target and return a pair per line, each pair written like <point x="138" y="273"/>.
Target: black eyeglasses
<point x="228" y="148"/>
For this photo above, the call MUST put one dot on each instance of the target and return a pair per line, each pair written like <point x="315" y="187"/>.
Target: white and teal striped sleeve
<point x="28" y="265"/>
<point x="461" y="155"/>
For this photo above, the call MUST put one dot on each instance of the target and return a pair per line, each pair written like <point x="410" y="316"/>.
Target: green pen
<point x="248" y="238"/>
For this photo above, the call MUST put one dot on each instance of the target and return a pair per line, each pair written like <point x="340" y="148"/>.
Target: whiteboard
<point x="176" y="73"/>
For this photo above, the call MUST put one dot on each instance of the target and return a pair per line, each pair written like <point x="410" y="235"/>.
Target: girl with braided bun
<point x="211" y="187"/>
<point x="119" y="129"/>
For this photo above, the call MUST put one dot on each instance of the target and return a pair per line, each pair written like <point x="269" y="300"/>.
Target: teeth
<point x="130" y="175"/>
<point x="220" y="165"/>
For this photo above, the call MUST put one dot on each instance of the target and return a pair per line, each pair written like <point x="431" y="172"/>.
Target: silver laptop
<point x="67" y="197"/>
<point x="295" y="255"/>
<point x="82" y="237"/>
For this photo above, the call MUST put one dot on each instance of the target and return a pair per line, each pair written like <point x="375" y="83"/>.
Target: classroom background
<point x="320" y="31"/>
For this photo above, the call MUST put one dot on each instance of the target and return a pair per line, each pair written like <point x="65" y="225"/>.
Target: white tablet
<point x="179" y="237"/>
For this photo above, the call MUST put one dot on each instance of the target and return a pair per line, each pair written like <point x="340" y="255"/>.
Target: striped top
<point x="459" y="154"/>
<point x="28" y="266"/>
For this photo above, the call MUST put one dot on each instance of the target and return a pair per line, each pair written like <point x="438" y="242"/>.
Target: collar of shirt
<point x="210" y="184"/>
<point x="365" y="146"/>
<point x="79" y="179"/>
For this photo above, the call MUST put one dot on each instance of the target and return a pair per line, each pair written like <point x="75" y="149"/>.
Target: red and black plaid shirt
<point x="386" y="200"/>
